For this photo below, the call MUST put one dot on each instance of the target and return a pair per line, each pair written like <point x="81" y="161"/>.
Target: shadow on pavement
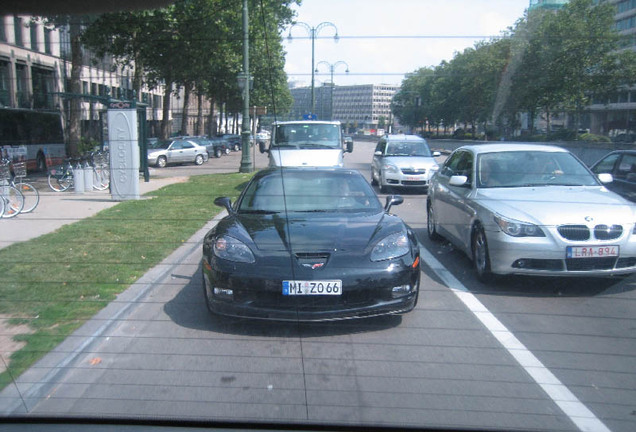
<point x="188" y="309"/>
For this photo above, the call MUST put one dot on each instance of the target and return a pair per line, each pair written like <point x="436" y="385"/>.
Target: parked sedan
<point x="621" y="164"/>
<point x="531" y="209"/>
<point x="404" y="161"/>
<point x="304" y="244"/>
<point x="164" y="152"/>
<point x="216" y="146"/>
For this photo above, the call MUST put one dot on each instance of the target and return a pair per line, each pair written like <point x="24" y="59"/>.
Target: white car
<point x="403" y="161"/>
<point x="164" y="152"/>
<point x="533" y="210"/>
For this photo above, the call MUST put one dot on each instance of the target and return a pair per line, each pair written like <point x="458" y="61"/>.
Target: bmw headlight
<point x="390" y="168"/>
<point x="231" y="249"/>
<point x="516" y="228"/>
<point x="392" y="246"/>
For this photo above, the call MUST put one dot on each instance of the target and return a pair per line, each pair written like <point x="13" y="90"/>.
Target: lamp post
<point x="244" y="81"/>
<point x="313" y="33"/>
<point x="332" y="67"/>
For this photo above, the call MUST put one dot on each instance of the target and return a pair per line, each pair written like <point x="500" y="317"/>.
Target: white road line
<point x="580" y="415"/>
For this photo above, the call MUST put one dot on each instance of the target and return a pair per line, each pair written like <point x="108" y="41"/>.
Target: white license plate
<point x="413" y="178"/>
<point x="314" y="287"/>
<point x="591" y="251"/>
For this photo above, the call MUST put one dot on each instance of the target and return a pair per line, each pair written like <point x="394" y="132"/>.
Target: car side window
<point x="606" y="165"/>
<point x="176" y="146"/>
<point x="187" y="145"/>
<point x="380" y="146"/>
<point x="626" y="169"/>
<point x="460" y="163"/>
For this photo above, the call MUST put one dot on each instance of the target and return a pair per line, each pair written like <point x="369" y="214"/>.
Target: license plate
<point x="591" y="251"/>
<point x="314" y="287"/>
<point x="412" y="178"/>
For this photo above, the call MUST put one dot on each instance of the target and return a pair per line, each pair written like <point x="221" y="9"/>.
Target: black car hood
<point x="313" y="232"/>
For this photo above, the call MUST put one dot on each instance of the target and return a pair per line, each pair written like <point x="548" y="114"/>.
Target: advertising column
<point x="123" y="146"/>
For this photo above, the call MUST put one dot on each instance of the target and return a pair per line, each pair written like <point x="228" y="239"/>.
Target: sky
<point x="381" y="40"/>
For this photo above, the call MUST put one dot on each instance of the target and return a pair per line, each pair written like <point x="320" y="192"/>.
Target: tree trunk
<point x="199" y="130"/>
<point x="212" y="127"/>
<point x="75" y="103"/>
<point x="165" y="122"/>
<point x="184" y="114"/>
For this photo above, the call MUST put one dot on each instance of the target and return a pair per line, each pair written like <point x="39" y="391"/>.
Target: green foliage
<point x="594" y="138"/>
<point x="549" y="62"/>
<point x="91" y="261"/>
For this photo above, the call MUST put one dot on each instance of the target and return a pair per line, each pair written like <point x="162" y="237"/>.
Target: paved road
<point x="525" y="353"/>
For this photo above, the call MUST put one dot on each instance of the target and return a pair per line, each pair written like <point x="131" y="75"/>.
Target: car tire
<point x="205" y="292"/>
<point x="374" y="182"/>
<point x="198" y="160"/>
<point x="162" y="162"/>
<point x="481" y="257"/>
<point x="236" y="147"/>
<point x="218" y="153"/>
<point x="383" y="188"/>
<point x="431" y="225"/>
<point x="227" y="151"/>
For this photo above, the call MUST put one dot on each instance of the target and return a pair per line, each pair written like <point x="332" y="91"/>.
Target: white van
<point x="306" y="143"/>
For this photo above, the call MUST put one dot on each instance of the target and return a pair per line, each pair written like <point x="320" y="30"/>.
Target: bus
<point x="34" y="136"/>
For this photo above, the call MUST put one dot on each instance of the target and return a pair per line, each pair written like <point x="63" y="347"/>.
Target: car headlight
<point x="231" y="249"/>
<point x="516" y="228"/>
<point x="391" y="246"/>
<point x="390" y="168"/>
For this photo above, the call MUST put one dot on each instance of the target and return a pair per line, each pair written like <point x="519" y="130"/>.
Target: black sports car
<point x="305" y="244"/>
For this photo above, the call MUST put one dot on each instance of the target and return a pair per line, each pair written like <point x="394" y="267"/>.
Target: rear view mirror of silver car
<point x="458" y="180"/>
<point x="605" y="178"/>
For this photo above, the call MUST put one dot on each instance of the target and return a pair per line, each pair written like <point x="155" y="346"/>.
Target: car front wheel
<point x="431" y="225"/>
<point x="162" y="162"/>
<point x="481" y="257"/>
<point x="198" y="160"/>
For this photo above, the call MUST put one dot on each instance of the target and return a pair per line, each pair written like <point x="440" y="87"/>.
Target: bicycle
<point x="61" y="178"/>
<point x="99" y="161"/>
<point x="30" y="193"/>
<point x="12" y="198"/>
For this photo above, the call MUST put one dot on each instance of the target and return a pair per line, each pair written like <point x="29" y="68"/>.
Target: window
<point x="17" y="28"/>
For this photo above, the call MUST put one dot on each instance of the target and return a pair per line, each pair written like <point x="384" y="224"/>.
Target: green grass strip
<point x="58" y="281"/>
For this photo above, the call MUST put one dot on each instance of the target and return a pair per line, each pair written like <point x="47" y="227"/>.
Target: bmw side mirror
<point x="262" y="147"/>
<point x="224" y="202"/>
<point x="392" y="200"/>
<point x="458" y="180"/>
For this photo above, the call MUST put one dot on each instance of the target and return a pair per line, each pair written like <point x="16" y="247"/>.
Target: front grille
<point x="604" y="232"/>
<point x="574" y="232"/>
<point x="414" y="183"/>
<point x="413" y="171"/>
<point x="585" y="264"/>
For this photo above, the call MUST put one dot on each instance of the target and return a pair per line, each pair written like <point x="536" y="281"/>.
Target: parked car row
<point x="190" y="149"/>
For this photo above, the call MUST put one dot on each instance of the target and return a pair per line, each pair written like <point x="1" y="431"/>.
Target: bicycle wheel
<point x="13" y="201"/>
<point x="54" y="180"/>
<point x="31" y="196"/>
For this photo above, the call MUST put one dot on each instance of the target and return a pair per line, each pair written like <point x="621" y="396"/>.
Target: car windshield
<point x="303" y="135"/>
<point x="470" y="271"/>
<point x="313" y="192"/>
<point x="406" y="148"/>
<point x="531" y="168"/>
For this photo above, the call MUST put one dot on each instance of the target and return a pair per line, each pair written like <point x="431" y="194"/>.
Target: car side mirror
<point x="349" y="146"/>
<point x="224" y="202"/>
<point x="377" y="153"/>
<point x="392" y="200"/>
<point x="458" y="180"/>
<point x="605" y="178"/>
<point x="262" y="147"/>
<point x="436" y="154"/>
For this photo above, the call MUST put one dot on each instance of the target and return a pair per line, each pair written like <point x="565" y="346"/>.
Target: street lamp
<point x="332" y="67"/>
<point x="313" y="33"/>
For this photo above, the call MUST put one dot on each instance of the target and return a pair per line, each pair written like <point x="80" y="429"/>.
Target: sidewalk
<point x="61" y="208"/>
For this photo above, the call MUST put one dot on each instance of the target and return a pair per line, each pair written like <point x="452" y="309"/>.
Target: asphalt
<point x="57" y="209"/>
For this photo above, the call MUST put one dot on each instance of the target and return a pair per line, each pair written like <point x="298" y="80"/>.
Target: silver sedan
<point x="162" y="153"/>
<point x="531" y="209"/>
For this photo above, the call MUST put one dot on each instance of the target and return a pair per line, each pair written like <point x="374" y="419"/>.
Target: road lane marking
<point x="576" y="411"/>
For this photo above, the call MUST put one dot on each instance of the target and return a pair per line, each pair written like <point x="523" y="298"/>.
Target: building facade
<point x="365" y="107"/>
